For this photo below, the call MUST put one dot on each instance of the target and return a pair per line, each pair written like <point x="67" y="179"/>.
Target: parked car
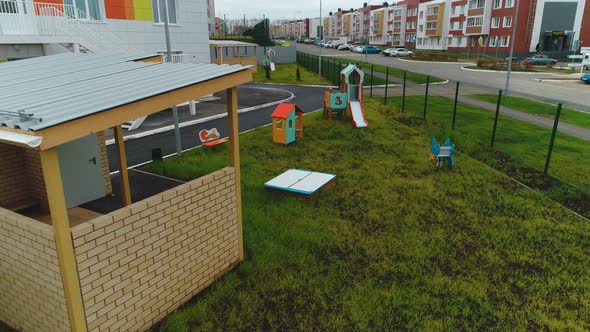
<point x="356" y="48"/>
<point x="344" y="47"/>
<point x="370" y="50"/>
<point x="401" y="52"/>
<point x="585" y="78"/>
<point x="540" y="59"/>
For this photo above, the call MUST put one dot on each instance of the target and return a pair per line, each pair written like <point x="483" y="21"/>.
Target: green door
<point x="290" y="128"/>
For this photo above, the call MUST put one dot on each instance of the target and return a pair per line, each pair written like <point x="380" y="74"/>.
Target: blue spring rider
<point x="440" y="154"/>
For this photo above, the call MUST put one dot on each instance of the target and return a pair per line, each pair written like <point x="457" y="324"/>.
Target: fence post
<point x="555" y="124"/>
<point x="336" y="73"/>
<point x="386" y="81"/>
<point x="426" y="97"/>
<point x="404" y="94"/>
<point x="371" y="94"/>
<point x="455" y="107"/>
<point x="496" y="119"/>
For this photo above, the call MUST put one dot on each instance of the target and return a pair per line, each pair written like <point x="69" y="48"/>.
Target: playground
<point x="396" y="244"/>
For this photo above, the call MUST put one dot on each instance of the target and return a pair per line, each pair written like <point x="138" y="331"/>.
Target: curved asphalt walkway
<point x="140" y="150"/>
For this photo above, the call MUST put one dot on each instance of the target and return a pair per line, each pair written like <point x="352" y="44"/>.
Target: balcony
<point x="28" y="22"/>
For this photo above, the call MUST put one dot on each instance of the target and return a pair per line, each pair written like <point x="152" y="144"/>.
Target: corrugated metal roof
<point x="43" y="92"/>
<point x="230" y="43"/>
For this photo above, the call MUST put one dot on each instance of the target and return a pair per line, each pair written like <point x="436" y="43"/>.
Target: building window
<point x="461" y="25"/>
<point x="421" y="27"/>
<point x="507" y="21"/>
<point x="9" y="7"/>
<point x="432" y="11"/>
<point x="509" y="4"/>
<point x="459" y="41"/>
<point x="158" y="9"/>
<point x="452" y="25"/>
<point x="505" y="41"/>
<point x="497" y="4"/>
<point x="88" y="8"/>
<point x="493" y="41"/>
<point x="475" y="21"/>
<point x="414" y="25"/>
<point x="476" y="4"/>
<point x="431" y="25"/>
<point x="397" y="25"/>
<point x="450" y="42"/>
<point x="495" y="22"/>
<point x="421" y="14"/>
<point x="408" y="25"/>
<point x="397" y="12"/>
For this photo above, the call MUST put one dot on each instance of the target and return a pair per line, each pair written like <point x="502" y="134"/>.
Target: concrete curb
<point x="567" y="80"/>
<point x="304" y="85"/>
<point x="436" y="83"/>
<point x="443" y="62"/>
<point x="500" y="71"/>
<point x="198" y="121"/>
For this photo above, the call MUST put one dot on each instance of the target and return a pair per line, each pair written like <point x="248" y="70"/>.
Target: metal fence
<point x="515" y="134"/>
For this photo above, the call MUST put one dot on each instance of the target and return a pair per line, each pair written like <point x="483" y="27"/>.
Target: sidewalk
<point x="448" y="91"/>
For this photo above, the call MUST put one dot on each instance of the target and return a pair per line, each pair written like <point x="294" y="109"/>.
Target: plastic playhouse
<point x="287" y="123"/>
<point x="439" y="154"/>
<point x="348" y="96"/>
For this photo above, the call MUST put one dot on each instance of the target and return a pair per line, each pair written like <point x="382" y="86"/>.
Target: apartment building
<point x="34" y="28"/>
<point x="484" y="26"/>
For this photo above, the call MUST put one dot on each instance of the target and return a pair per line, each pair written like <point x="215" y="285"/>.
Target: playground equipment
<point x="210" y="137"/>
<point x="348" y="96"/>
<point x="271" y="59"/>
<point x="301" y="182"/>
<point x="440" y="154"/>
<point x="287" y="123"/>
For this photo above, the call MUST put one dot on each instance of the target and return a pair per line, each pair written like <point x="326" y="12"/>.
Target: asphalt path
<point x="570" y="93"/>
<point x="140" y="150"/>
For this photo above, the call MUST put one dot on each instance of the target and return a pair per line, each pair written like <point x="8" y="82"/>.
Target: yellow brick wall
<point x="36" y="182"/>
<point x="104" y="162"/>
<point x="139" y="263"/>
<point x="31" y="291"/>
<point x="13" y="180"/>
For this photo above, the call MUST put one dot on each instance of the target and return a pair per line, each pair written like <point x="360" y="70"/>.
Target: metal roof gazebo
<point x="49" y="102"/>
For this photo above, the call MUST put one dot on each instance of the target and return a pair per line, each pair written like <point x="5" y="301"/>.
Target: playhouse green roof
<point x="349" y="69"/>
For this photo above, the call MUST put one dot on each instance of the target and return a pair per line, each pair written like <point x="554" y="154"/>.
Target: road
<point x="140" y="150"/>
<point x="570" y="93"/>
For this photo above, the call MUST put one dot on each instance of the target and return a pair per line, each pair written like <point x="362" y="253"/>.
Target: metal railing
<point x="70" y="23"/>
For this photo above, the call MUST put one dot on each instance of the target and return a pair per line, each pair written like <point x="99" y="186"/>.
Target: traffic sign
<point x="480" y="40"/>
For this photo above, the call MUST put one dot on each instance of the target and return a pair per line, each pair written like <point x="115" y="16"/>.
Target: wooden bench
<point x="22" y="205"/>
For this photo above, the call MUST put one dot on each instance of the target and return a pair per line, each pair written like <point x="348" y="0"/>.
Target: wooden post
<point x="63" y="238"/>
<point x="123" y="172"/>
<point x="234" y="157"/>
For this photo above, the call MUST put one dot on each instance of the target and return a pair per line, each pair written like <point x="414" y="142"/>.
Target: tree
<point x="260" y="33"/>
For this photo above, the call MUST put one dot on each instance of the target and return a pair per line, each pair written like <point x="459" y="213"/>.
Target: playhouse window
<point x="290" y="123"/>
<point x="279" y="124"/>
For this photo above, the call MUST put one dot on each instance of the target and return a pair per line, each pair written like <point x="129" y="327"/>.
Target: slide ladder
<point x="358" y="116"/>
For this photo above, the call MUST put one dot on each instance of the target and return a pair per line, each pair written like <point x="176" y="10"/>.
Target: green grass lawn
<point x="394" y="72"/>
<point x="525" y="144"/>
<point x="396" y="245"/>
<point x="568" y="115"/>
<point x="287" y="73"/>
<point x="472" y="56"/>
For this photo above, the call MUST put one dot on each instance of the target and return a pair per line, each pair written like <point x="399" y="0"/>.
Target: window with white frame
<point x="421" y="27"/>
<point x="158" y="10"/>
<point x="461" y="25"/>
<point x="459" y="41"/>
<point x="450" y="41"/>
<point x="475" y="21"/>
<point x="414" y="25"/>
<point x="497" y="4"/>
<point x="397" y="25"/>
<point x="431" y="25"/>
<point x="505" y="41"/>
<point x="509" y="4"/>
<point x="476" y="4"/>
<point x="495" y="22"/>
<point x="493" y="41"/>
<point x="397" y="12"/>
<point x="83" y="9"/>
<point x="453" y="10"/>
<point x="432" y="11"/>
<point x="452" y="25"/>
<point x="395" y="37"/>
<point x="408" y="25"/>
<point x="408" y="38"/>
<point x="507" y="22"/>
<point x="421" y="14"/>
<point x="390" y="16"/>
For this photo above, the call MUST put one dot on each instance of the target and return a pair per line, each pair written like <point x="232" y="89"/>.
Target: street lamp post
<point x="512" y="41"/>
<point x="321" y="37"/>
